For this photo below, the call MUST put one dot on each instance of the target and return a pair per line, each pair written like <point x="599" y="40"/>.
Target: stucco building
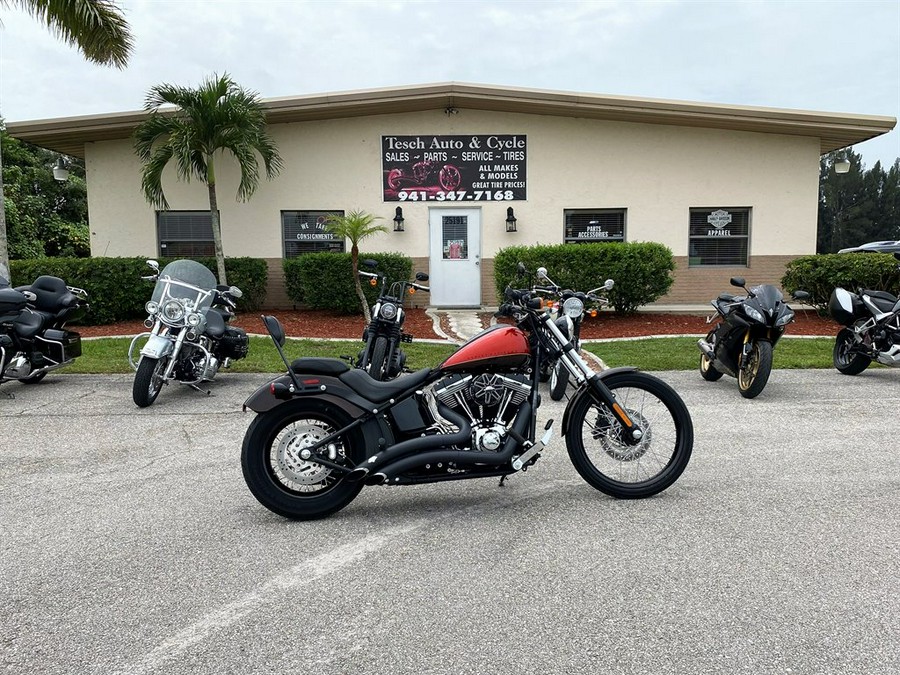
<point x="460" y="171"/>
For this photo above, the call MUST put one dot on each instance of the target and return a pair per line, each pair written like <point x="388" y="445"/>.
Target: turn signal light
<point x="412" y="291"/>
<point x="373" y="282"/>
<point x="593" y="313"/>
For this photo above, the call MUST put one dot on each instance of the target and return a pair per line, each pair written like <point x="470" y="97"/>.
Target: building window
<point x="719" y="236"/>
<point x="184" y="234"/>
<point x="304" y="232"/>
<point x="591" y="225"/>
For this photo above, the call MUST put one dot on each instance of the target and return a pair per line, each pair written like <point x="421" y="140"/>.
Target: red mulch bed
<point x="319" y="324"/>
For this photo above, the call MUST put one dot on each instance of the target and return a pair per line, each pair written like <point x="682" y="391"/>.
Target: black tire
<point x="546" y="367"/>
<point x="286" y="484"/>
<point x="845" y="362"/>
<point x="559" y="380"/>
<point x="377" y="367"/>
<point x="638" y="471"/>
<point x="148" y="380"/>
<point x="707" y="371"/>
<point x="753" y="377"/>
<point x="34" y="379"/>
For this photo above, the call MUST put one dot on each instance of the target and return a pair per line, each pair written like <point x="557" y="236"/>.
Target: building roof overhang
<point x="834" y="130"/>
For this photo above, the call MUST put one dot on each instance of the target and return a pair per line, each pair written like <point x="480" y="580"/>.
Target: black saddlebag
<point x="234" y="344"/>
<point x="59" y="345"/>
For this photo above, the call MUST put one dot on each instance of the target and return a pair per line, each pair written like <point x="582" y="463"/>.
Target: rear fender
<point x="322" y="387"/>
<point x="585" y="390"/>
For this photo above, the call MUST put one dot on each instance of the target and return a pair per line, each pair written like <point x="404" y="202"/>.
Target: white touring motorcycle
<point x="190" y="337"/>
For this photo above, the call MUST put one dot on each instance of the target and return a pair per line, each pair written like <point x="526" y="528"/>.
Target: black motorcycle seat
<point x="378" y="392"/>
<point x="881" y="295"/>
<point x="52" y="294"/>
<point x="308" y="365"/>
<point x="28" y="324"/>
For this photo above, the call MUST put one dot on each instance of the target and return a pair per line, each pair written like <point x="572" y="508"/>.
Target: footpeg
<point x="534" y="449"/>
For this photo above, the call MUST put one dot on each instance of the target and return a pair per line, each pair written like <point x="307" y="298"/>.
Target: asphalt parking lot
<point x="130" y="544"/>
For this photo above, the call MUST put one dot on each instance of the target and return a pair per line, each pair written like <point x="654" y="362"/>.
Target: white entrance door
<point x="455" y="265"/>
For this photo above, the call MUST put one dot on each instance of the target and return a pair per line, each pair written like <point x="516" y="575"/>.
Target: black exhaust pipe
<point x="389" y="471"/>
<point x="378" y="460"/>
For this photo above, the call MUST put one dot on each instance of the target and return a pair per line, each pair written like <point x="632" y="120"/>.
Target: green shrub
<point x="116" y="291"/>
<point x="641" y="271"/>
<point x="325" y="280"/>
<point x="819" y="275"/>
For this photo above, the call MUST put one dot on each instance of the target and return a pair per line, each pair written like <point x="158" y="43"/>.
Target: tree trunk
<point x="354" y="264"/>
<point x="217" y="233"/>
<point x="4" y="242"/>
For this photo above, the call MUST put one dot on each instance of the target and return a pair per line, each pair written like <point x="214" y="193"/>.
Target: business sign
<point x="453" y="168"/>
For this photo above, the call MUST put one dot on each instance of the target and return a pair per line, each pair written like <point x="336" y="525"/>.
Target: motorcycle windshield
<point x="187" y="281"/>
<point x="768" y="296"/>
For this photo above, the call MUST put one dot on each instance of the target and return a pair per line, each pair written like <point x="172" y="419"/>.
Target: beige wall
<point x="656" y="172"/>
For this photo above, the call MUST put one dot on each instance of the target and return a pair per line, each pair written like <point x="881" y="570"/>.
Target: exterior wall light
<point x="842" y="166"/>
<point x="510" y="220"/>
<point x="398" y="220"/>
<point x="60" y="172"/>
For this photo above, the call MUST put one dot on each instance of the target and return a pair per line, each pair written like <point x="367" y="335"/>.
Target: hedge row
<point x="325" y="280"/>
<point x="115" y="288"/>
<point x="819" y="275"/>
<point x="641" y="270"/>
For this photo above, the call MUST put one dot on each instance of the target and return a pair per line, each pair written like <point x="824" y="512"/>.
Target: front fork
<point x="584" y="374"/>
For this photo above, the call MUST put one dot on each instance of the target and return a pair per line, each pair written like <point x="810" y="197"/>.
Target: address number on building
<point x="457" y="196"/>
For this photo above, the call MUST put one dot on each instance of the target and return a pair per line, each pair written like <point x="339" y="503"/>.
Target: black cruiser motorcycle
<point x="190" y="337"/>
<point x="570" y="309"/>
<point x="382" y="357"/>
<point x="323" y="430"/>
<point x="33" y="335"/>
<point x="872" y="333"/>
<point x="749" y="327"/>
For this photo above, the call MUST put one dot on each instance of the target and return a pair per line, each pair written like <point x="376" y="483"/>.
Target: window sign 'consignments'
<point x="453" y="168"/>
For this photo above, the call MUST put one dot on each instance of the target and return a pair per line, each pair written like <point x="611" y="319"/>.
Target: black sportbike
<point x="749" y="327"/>
<point x="382" y="357"/>
<point x="33" y="335"/>
<point x="872" y="328"/>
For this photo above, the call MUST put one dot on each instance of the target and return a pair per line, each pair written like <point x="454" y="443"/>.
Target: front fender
<point x="585" y="390"/>
<point x="158" y="346"/>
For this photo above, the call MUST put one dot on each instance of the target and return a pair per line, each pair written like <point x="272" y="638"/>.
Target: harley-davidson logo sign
<point x="719" y="219"/>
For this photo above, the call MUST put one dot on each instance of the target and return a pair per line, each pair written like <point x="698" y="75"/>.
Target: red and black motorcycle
<point x="324" y="430"/>
<point x="425" y="174"/>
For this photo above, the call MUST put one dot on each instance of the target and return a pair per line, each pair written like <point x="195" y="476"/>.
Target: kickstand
<point x="196" y="388"/>
<point x="502" y="479"/>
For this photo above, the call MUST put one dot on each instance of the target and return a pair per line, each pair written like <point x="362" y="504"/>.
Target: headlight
<point x="573" y="307"/>
<point x="754" y="313"/>
<point x="194" y="319"/>
<point x="152" y="307"/>
<point x="173" y="311"/>
<point x="785" y="318"/>
<point x="388" y="311"/>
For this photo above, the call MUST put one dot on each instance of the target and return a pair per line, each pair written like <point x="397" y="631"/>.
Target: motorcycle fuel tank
<point x="498" y="347"/>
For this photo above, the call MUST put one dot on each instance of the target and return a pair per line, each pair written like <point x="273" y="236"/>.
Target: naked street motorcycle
<point x="570" y="310"/>
<point x="190" y="337"/>
<point x="382" y="356"/>
<point x="872" y="333"/>
<point x="33" y="335"/>
<point x="741" y="343"/>
<point x="323" y="430"/>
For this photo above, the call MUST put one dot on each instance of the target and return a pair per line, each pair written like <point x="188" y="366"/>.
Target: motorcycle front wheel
<point x="559" y="380"/>
<point x="601" y="456"/>
<point x="753" y="376"/>
<point x="377" y="364"/>
<point x="148" y="381"/>
<point x="279" y="477"/>
<point x="844" y="360"/>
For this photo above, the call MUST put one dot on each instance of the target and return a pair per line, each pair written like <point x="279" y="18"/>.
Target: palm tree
<point x="355" y="226"/>
<point x="216" y="116"/>
<point x="98" y="28"/>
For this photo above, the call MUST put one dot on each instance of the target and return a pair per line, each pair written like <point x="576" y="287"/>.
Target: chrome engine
<point x="489" y="400"/>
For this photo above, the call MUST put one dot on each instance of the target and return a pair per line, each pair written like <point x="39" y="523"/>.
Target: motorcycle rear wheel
<point x="148" y="381"/>
<point x="752" y="378"/>
<point x="606" y="462"/>
<point x="277" y="475"/>
<point x="707" y="371"/>
<point x="845" y="362"/>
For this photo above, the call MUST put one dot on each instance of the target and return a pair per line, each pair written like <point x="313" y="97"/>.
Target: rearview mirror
<point x="235" y="292"/>
<point x="368" y="262"/>
<point x="608" y="284"/>
<point x="520" y="269"/>
<point x="153" y="264"/>
<point x="542" y="272"/>
<point x="421" y="276"/>
<point x="800" y="295"/>
<point x="738" y="281"/>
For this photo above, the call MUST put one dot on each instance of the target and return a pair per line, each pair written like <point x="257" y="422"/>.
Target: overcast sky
<point x="828" y="56"/>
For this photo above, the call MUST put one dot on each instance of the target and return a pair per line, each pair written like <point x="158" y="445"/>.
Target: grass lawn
<point x="109" y="355"/>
